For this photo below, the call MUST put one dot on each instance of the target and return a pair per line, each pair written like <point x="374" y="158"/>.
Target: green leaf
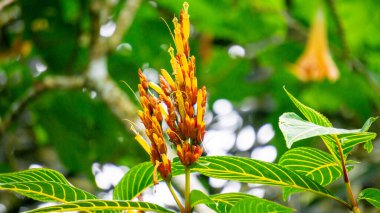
<point x="319" y="119"/>
<point x="348" y="141"/>
<point x="225" y="202"/>
<point x="102" y="206"/>
<point x="254" y="171"/>
<point x="134" y="182"/>
<point x="258" y="205"/>
<point x="310" y="114"/>
<point x="141" y="176"/>
<point x="198" y="197"/>
<point x="33" y="175"/>
<point x="313" y="163"/>
<point x="295" y="129"/>
<point x="287" y="191"/>
<point x="368" y="146"/>
<point x="223" y="167"/>
<point x="138" y="178"/>
<point x="42" y="185"/>
<point x="371" y="195"/>
<point x="368" y="123"/>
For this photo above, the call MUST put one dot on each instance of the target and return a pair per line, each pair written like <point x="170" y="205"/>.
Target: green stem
<point x="355" y="207"/>
<point x="170" y="186"/>
<point x="187" y="191"/>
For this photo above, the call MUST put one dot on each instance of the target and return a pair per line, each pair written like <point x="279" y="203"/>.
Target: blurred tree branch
<point x="340" y="30"/>
<point x="124" y="21"/>
<point x="295" y="29"/>
<point x="96" y="77"/>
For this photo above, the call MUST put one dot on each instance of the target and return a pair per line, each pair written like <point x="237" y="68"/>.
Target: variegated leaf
<point x="259" y="205"/>
<point x="254" y="171"/>
<point x="313" y="163"/>
<point x="42" y="185"/>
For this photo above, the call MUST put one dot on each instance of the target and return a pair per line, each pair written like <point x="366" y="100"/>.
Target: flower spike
<point x="185" y="106"/>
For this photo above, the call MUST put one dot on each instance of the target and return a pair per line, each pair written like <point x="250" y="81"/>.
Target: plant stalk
<point x="187" y="191"/>
<point x="355" y="207"/>
<point x="170" y="186"/>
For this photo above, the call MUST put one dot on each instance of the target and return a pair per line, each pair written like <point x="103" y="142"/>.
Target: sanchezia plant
<point x="302" y="169"/>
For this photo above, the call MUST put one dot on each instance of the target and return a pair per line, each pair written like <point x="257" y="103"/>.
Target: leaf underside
<point x="295" y="129"/>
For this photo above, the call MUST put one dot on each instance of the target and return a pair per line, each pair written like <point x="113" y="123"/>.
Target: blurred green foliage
<point x="82" y="129"/>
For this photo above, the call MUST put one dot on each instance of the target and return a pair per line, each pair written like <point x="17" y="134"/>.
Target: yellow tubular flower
<point x="156" y="88"/>
<point x="140" y="113"/>
<point x="188" y="85"/>
<point x="176" y="68"/>
<point x="185" y="21"/>
<point x="143" y="143"/>
<point x="179" y="150"/>
<point x="199" y="107"/>
<point x="194" y="85"/>
<point x="155" y="178"/>
<point x="164" y="113"/>
<point x="173" y="61"/>
<point x="184" y="63"/>
<point x="177" y="36"/>
<point x="181" y="104"/>
<point x="179" y="78"/>
<point x="164" y="159"/>
<point x="168" y="78"/>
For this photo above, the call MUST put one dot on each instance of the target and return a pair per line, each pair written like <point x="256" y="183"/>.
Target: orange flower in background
<point x="185" y="105"/>
<point x="316" y="64"/>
